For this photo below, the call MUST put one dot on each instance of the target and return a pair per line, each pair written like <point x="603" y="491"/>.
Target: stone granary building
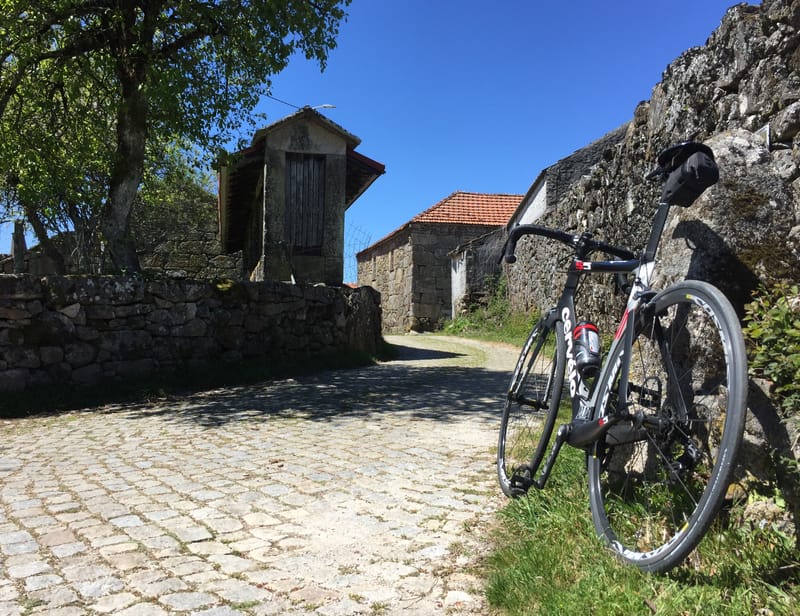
<point x="411" y="266"/>
<point x="282" y="200"/>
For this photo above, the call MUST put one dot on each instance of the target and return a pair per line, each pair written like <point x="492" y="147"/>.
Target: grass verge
<point x="493" y="320"/>
<point x="547" y="560"/>
<point x="546" y="557"/>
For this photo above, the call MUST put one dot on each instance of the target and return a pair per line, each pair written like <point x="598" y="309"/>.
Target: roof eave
<point x="373" y="170"/>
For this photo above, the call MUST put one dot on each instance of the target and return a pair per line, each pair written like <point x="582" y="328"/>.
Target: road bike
<point x="660" y="416"/>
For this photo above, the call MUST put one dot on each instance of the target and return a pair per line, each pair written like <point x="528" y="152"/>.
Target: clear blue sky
<point x="477" y="96"/>
<point x="481" y="96"/>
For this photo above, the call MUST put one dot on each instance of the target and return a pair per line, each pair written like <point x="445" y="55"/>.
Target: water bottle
<point x="587" y="348"/>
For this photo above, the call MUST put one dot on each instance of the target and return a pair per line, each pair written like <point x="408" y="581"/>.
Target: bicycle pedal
<point x="521" y="483"/>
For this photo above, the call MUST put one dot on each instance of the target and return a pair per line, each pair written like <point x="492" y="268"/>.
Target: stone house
<point x="553" y="184"/>
<point x="478" y="260"/>
<point x="282" y="200"/>
<point x="411" y="266"/>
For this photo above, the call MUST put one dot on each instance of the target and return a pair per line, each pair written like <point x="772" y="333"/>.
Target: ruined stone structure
<point x="194" y="253"/>
<point x="411" y="266"/>
<point x="181" y="242"/>
<point x="474" y="268"/>
<point x="282" y="200"/>
<point x="57" y="331"/>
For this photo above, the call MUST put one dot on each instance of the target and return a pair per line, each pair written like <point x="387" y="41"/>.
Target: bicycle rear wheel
<point x="657" y="482"/>
<point x="531" y="408"/>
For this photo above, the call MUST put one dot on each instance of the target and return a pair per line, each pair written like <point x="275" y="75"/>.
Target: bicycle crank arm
<point x="583" y="432"/>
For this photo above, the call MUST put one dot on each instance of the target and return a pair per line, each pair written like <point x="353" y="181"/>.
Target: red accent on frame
<point x="622" y="324"/>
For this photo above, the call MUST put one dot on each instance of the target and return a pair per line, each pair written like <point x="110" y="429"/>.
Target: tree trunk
<point x="48" y="247"/>
<point x="126" y="174"/>
<point x="128" y="169"/>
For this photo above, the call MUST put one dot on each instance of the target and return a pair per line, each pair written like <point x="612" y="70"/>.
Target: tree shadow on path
<point x="406" y="384"/>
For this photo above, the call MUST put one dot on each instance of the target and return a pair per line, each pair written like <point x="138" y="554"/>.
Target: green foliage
<point x="772" y="329"/>
<point x="175" y="197"/>
<point x="494" y="319"/>
<point x="55" y="151"/>
<point x="202" y="64"/>
<point x="86" y="89"/>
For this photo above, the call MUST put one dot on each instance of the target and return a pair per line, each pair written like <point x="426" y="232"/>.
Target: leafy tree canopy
<point x="96" y="81"/>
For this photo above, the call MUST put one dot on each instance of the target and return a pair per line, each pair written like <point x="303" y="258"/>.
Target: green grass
<point x="546" y="559"/>
<point x="493" y="320"/>
<point x="512" y="331"/>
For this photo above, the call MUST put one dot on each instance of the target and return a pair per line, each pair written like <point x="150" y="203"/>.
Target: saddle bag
<point x="688" y="175"/>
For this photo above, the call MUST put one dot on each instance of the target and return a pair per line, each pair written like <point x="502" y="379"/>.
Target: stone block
<point x="14" y="379"/>
<point x="79" y="354"/>
<point x="89" y="374"/>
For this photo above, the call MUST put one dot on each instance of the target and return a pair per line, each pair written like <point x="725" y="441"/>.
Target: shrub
<point x="772" y="329"/>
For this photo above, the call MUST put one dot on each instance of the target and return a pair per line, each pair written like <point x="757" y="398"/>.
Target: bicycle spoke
<point x="530" y="411"/>
<point x="653" y="488"/>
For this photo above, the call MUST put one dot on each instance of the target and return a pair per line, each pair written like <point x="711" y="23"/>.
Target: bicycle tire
<point x="531" y="408"/>
<point x="656" y="485"/>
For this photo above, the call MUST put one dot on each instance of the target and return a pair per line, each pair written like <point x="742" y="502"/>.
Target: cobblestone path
<point x="351" y="492"/>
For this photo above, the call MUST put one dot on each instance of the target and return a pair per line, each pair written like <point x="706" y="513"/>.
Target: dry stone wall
<point x="195" y="252"/>
<point x="86" y="330"/>
<point x="186" y="247"/>
<point x="740" y="93"/>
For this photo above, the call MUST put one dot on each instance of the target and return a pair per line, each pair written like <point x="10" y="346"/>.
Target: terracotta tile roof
<point x="463" y="208"/>
<point x="467" y="208"/>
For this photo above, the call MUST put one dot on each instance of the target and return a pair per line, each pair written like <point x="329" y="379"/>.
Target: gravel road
<point x="363" y="491"/>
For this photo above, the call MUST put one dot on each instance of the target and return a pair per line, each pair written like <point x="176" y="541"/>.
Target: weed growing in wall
<point x="491" y="318"/>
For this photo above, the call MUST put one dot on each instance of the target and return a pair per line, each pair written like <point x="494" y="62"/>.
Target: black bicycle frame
<point x="583" y="430"/>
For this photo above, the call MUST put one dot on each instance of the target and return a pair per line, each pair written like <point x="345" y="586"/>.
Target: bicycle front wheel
<point x="657" y="482"/>
<point x="531" y="408"/>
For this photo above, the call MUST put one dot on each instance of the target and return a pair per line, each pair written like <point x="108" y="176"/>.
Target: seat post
<point x="659" y="221"/>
